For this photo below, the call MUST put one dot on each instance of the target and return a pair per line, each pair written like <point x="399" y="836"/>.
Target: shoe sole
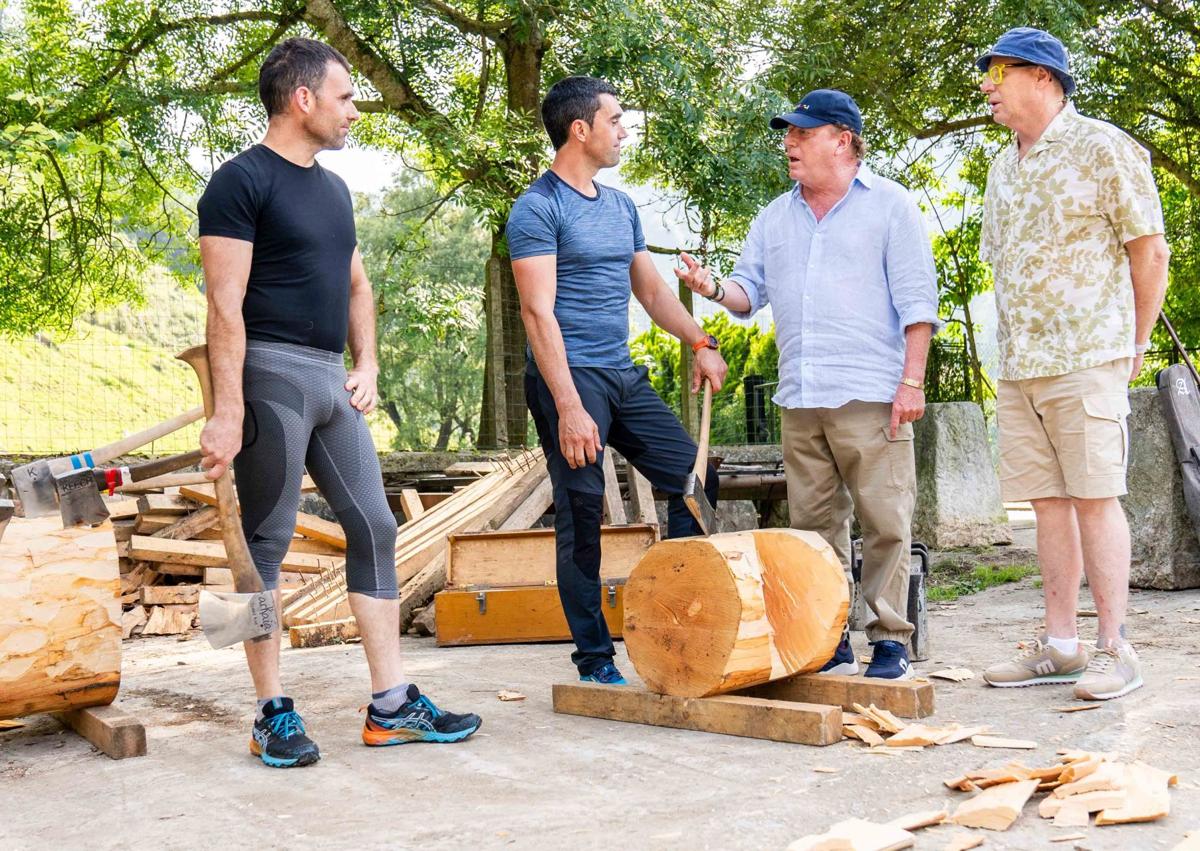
<point x="908" y="674"/>
<point x="845" y="669"/>
<point x="387" y="738"/>
<point x="623" y="682"/>
<point x="1130" y="686"/>
<point x="1064" y="679"/>
<point x="278" y="762"/>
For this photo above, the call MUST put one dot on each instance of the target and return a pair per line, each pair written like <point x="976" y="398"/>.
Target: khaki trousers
<point x="840" y="462"/>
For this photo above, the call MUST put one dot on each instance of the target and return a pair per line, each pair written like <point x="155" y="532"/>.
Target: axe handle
<point x="104" y="454"/>
<point x="701" y="468"/>
<point x="164" y="465"/>
<point x="245" y="576"/>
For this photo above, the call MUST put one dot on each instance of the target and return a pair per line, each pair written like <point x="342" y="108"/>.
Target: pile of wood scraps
<point x="512" y="493"/>
<point x="169" y="543"/>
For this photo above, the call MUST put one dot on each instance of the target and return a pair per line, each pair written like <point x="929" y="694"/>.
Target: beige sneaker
<point x="1112" y="672"/>
<point x="1037" y="664"/>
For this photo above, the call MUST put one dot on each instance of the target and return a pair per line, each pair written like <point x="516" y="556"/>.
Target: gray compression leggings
<point x="298" y="415"/>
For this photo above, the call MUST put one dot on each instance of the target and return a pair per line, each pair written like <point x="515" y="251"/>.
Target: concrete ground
<point x="533" y="779"/>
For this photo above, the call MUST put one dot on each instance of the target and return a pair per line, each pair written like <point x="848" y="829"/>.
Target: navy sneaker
<point x="606" y="674"/>
<point x="890" y="661"/>
<point x="278" y="737"/>
<point x="416" y="721"/>
<point x="843" y="661"/>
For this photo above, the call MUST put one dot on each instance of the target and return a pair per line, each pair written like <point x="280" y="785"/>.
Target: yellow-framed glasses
<point x="996" y="72"/>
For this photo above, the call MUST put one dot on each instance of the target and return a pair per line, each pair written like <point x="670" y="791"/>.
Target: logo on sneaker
<point x="262" y="735"/>
<point x="1044" y="668"/>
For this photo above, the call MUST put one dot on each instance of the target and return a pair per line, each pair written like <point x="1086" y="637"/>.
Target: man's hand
<point x="578" y="437"/>
<point x="361" y="384"/>
<point x="695" y="277"/>
<point x="907" y="407"/>
<point x="708" y="363"/>
<point x="220" y="442"/>
<point x="1138" y="360"/>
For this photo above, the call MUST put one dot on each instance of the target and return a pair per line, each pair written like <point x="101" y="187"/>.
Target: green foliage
<point x="424" y="259"/>
<point x="947" y="584"/>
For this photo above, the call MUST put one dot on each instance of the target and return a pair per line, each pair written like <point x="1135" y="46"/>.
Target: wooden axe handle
<point x="104" y="454"/>
<point x="701" y="468"/>
<point x="159" y="466"/>
<point x="245" y="576"/>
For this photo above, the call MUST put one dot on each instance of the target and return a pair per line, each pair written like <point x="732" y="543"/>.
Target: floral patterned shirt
<point x="1054" y="229"/>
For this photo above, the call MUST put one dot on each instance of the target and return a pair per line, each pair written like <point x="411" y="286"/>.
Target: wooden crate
<point x="526" y="557"/>
<point x="522" y="615"/>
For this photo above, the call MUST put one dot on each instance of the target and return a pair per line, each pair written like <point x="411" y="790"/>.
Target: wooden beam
<point x="170" y="595"/>
<point x="756" y="718"/>
<point x="905" y="698"/>
<point x="324" y="633"/>
<point x="191" y="525"/>
<point x="320" y="529"/>
<point x="411" y="504"/>
<point x="530" y="509"/>
<point x="614" y="510"/>
<point x="108" y="728"/>
<point x="212" y="554"/>
<point x="119" y="509"/>
<point x="641" y="497"/>
<point x="165" y="503"/>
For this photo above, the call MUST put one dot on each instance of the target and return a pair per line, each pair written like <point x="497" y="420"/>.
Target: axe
<point x="35" y="481"/>
<point x="78" y="491"/>
<point x="693" y="490"/>
<point x="248" y="613"/>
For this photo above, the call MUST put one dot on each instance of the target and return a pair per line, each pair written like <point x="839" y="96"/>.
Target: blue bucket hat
<point x="820" y="107"/>
<point x="1036" y="46"/>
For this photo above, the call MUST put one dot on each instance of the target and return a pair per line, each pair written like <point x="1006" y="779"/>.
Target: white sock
<point x="1069" y="646"/>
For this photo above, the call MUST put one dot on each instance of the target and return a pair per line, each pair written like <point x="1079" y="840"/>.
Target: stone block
<point x="1166" y="554"/>
<point x="958" y="492"/>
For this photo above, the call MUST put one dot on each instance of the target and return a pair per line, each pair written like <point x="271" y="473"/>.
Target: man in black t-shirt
<point x="286" y="292"/>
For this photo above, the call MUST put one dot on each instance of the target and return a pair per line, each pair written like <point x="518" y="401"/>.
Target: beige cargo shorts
<point x="1065" y="435"/>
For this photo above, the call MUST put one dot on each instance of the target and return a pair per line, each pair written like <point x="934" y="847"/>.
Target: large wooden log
<point x="705" y="616"/>
<point x="60" y="618"/>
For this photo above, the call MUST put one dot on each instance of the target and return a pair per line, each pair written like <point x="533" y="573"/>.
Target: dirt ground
<point x="533" y="779"/>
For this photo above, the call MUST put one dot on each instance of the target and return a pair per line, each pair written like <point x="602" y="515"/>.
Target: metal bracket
<point x="481" y="599"/>
<point x="612" y="596"/>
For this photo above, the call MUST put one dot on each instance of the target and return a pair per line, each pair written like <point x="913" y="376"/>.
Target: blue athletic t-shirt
<point x="594" y="240"/>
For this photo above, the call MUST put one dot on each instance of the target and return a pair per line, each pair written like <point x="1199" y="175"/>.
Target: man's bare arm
<point x="537" y="285"/>
<point x="699" y="280"/>
<point x="226" y="264"/>
<point x="909" y="402"/>
<point x="1149" y="257"/>
<point x="363" y="378"/>
<point x="668" y="313"/>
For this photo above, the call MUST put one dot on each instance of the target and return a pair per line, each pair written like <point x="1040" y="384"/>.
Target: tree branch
<point x="1168" y="163"/>
<point x="947" y="127"/>
<point x="464" y="22"/>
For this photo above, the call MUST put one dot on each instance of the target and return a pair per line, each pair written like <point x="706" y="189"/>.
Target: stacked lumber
<point x="169" y="542"/>
<point x="511" y="493"/>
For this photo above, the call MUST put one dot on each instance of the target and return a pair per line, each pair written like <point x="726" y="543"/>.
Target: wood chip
<point x="510" y="695"/>
<point x="963" y="733"/>
<point x="858" y="835"/>
<point x="1110" y="775"/>
<point x="11" y="725"/>
<point x="964" y="842"/>
<point x="1000" y="742"/>
<point x="886" y="720"/>
<point x="865" y="734"/>
<point x="995" y="808"/>
<point x="1069" y="837"/>
<point x="824" y="769"/>
<point x="962" y="784"/>
<point x="954" y="674"/>
<point x="1072" y="816"/>
<point x="917" y="735"/>
<point x="1077" y="707"/>
<point x="916" y="821"/>
<point x="1093" y="802"/>
<point x="1147" y="796"/>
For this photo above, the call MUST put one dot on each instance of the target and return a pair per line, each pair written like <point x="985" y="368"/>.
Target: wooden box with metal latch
<point x="515" y="615"/>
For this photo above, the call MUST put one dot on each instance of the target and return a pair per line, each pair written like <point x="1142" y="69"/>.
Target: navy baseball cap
<point x="823" y="106"/>
<point x="1036" y="46"/>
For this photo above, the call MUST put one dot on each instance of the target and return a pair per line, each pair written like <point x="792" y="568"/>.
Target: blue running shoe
<point x="607" y="675"/>
<point x="416" y="721"/>
<point x="890" y="661"/>
<point x="278" y="738"/>
<point x="843" y="661"/>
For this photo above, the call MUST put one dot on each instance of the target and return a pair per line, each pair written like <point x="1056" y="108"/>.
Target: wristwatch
<point x="709" y="342"/>
<point x="912" y="382"/>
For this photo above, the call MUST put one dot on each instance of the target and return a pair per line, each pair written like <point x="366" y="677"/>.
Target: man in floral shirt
<point x="1073" y="229"/>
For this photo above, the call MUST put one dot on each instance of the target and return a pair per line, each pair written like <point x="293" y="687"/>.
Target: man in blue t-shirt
<point x="578" y="252"/>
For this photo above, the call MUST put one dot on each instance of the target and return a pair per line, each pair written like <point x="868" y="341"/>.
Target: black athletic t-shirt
<point x="301" y="221"/>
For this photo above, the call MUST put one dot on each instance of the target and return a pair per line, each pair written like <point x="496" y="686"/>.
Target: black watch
<point x="709" y="342"/>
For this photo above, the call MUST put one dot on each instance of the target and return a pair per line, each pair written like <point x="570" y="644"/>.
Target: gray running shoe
<point x="1037" y="664"/>
<point x="1112" y="672"/>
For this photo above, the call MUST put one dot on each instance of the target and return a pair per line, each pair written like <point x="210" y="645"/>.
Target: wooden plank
<point x="165" y="503"/>
<point x="515" y="615"/>
<point x="108" y="728"/>
<point x="429" y="500"/>
<point x="905" y="698"/>
<point x="120" y="509"/>
<point x="324" y="633"/>
<point x="531" y="508"/>
<point x="320" y="529"/>
<point x="527" y="556"/>
<point x="641" y="497"/>
<point x="753" y="717"/>
<point x="410" y="503"/>
<point x="614" y="510"/>
<point x="191" y="571"/>
<point x="169" y="595"/>
<point x="212" y="554"/>
<point x="191" y="525"/>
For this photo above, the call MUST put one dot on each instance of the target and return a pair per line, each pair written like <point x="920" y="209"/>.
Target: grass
<point x="116" y="373"/>
<point x="948" y="580"/>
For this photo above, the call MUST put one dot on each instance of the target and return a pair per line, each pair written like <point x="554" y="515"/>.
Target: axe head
<point x="35" y="488"/>
<point x="697" y="502"/>
<point x="78" y="500"/>
<point x="228" y="617"/>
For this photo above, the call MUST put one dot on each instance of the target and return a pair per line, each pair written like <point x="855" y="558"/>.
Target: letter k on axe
<point x="249" y="613"/>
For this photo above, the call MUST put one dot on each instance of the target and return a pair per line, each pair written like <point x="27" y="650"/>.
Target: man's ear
<point x="579" y="129"/>
<point x="304" y="98"/>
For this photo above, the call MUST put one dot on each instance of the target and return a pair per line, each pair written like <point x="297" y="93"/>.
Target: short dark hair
<point x="572" y="99"/>
<point x="291" y="64"/>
